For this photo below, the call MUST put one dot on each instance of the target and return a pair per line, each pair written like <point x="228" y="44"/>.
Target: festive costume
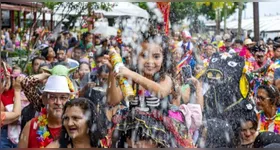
<point x="228" y="84"/>
<point x="151" y="116"/>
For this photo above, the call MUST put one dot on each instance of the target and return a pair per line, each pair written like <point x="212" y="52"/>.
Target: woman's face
<point x="89" y="38"/>
<point x="75" y="122"/>
<point x="247" y="132"/>
<point x="51" y="52"/>
<point x="263" y="100"/>
<point x="150" y="59"/>
<point x="84" y="69"/>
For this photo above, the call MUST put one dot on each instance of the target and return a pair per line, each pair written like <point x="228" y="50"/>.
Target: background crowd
<point x="71" y="96"/>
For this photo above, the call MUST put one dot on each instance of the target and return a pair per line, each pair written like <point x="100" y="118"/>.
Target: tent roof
<point x="47" y="17"/>
<point x="267" y="23"/>
<point x="125" y="9"/>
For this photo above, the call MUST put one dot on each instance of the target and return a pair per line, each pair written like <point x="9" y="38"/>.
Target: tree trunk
<point x="218" y="21"/>
<point x="240" y="8"/>
<point x="225" y="17"/>
<point x="89" y="7"/>
<point x="256" y="22"/>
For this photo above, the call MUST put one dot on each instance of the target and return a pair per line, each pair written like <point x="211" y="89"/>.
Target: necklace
<point x="265" y="122"/>
<point x="44" y="136"/>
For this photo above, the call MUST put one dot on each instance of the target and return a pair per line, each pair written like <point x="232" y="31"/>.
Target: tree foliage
<point x="209" y="9"/>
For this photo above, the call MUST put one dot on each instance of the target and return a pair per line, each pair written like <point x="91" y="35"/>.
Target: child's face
<point x="16" y="71"/>
<point x="150" y="59"/>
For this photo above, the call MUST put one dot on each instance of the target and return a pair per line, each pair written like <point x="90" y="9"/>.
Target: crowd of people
<point x="189" y="92"/>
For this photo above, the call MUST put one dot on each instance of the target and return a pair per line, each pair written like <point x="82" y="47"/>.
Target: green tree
<point x="216" y="11"/>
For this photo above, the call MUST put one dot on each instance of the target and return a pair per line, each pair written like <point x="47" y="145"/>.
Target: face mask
<point x="89" y="45"/>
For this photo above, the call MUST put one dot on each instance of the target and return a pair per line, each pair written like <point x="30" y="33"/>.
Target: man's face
<point x="77" y="54"/>
<point x="61" y="55"/>
<point x="227" y="43"/>
<point x="99" y="61"/>
<point x="260" y="57"/>
<point x="55" y="103"/>
<point x="238" y="46"/>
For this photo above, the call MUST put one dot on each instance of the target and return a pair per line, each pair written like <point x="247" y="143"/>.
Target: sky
<point x="265" y="8"/>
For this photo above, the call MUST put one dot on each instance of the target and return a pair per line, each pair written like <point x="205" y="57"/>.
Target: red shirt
<point x="7" y="97"/>
<point x="33" y="142"/>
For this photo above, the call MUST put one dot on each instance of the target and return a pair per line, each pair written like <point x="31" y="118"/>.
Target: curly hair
<point x="97" y="117"/>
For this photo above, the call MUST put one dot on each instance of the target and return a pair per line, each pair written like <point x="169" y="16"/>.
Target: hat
<point x="57" y="84"/>
<point x="186" y="34"/>
<point x="248" y="42"/>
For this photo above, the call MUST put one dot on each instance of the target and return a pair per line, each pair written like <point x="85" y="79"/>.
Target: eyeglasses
<point x="63" y="98"/>
<point x="262" y="98"/>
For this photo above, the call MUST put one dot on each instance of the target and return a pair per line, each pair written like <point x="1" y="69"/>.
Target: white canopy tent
<point x="267" y="24"/>
<point x="47" y="17"/>
<point x="125" y="9"/>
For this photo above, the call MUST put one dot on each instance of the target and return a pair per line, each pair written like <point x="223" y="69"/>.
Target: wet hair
<point x="272" y="93"/>
<point x="242" y="112"/>
<point x="159" y="76"/>
<point x="266" y="138"/>
<point x="219" y="134"/>
<point x="40" y="58"/>
<point x="96" y="122"/>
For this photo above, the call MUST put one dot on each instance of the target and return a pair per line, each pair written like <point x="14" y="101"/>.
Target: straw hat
<point x="57" y="84"/>
<point x="249" y="42"/>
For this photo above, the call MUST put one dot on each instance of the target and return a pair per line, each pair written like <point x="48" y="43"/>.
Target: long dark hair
<point x="96" y="122"/>
<point x="159" y="76"/>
